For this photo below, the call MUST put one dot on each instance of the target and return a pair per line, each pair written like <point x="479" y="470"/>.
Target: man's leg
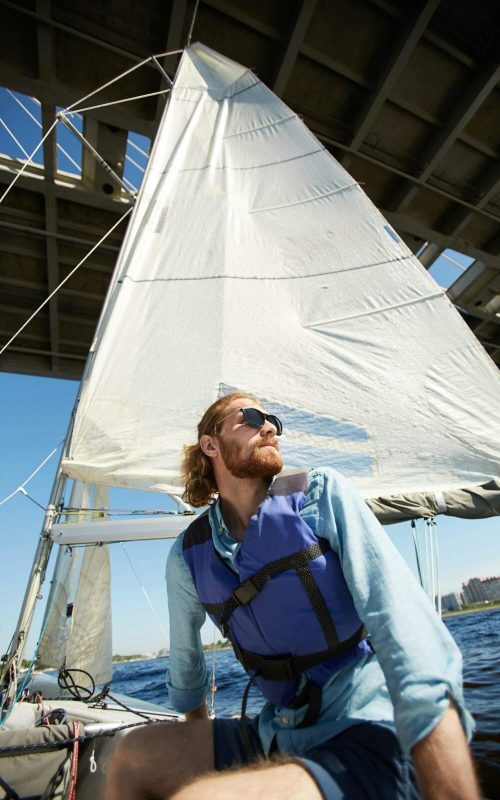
<point x="156" y="760"/>
<point x="266" y="779"/>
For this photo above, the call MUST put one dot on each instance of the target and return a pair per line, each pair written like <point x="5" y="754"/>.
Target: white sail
<point x="89" y="644"/>
<point x="254" y="261"/>
<point x="77" y="627"/>
<point x="52" y="650"/>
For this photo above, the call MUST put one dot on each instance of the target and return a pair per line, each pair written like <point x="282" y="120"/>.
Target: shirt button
<point x="285" y="720"/>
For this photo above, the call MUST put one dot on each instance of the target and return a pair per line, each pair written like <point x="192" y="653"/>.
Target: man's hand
<point x="444" y="764"/>
<point x="197" y="713"/>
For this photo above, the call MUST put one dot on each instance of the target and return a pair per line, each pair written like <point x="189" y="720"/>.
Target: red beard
<point x="261" y="462"/>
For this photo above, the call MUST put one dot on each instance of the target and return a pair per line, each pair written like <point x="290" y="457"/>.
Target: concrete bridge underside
<point x="405" y="94"/>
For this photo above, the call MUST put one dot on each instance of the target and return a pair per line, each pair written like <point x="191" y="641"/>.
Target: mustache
<point x="274" y="442"/>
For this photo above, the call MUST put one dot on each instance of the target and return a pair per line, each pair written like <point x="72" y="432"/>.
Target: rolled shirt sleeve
<point x="187" y="675"/>
<point x="422" y="664"/>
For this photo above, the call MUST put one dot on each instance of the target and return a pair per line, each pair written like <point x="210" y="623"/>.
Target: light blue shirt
<point x="417" y="667"/>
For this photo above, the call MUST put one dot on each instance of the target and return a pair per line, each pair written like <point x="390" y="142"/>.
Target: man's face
<point x="248" y="452"/>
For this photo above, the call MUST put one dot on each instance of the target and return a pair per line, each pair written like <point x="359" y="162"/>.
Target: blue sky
<point x="34" y="414"/>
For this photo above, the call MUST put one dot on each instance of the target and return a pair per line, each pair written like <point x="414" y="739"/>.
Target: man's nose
<point x="268" y="429"/>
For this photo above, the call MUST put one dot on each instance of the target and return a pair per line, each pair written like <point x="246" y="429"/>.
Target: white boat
<point x="252" y="261"/>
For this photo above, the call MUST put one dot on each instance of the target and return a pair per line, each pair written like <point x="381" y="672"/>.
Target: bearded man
<point x="362" y="679"/>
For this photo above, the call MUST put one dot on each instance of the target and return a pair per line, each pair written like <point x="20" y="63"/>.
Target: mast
<point x="37" y="577"/>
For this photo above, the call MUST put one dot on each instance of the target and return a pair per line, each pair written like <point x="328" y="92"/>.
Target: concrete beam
<point x="323" y="134"/>
<point x="58" y="94"/>
<point x="46" y="72"/>
<point x="405" y="223"/>
<point x="489" y="187"/>
<point x="173" y="42"/>
<point x="398" y="60"/>
<point x="296" y="35"/>
<point x="472" y="311"/>
<point x="41" y="233"/>
<point x="474" y="97"/>
<point x="429" y="254"/>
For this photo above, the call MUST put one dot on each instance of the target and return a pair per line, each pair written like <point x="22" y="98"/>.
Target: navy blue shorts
<point x="363" y="762"/>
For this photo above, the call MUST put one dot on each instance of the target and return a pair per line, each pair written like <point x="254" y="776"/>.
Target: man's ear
<point x="209" y="446"/>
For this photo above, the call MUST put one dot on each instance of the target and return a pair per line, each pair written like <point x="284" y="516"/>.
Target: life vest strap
<point x="249" y="589"/>
<point x="288" y="666"/>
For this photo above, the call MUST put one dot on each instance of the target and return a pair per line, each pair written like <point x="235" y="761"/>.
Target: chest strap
<point x="249" y="589"/>
<point x="286" y="666"/>
<point x="290" y="667"/>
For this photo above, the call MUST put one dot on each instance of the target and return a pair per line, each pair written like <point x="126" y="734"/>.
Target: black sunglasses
<point x="256" y="419"/>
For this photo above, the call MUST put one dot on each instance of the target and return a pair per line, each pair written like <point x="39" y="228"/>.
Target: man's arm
<point x="421" y="662"/>
<point x="198" y="713"/>
<point x="187" y="677"/>
<point x="443" y="762"/>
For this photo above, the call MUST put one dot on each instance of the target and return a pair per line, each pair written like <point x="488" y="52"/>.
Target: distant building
<point x="451" y="602"/>
<point x="491" y="587"/>
<point x="474" y="592"/>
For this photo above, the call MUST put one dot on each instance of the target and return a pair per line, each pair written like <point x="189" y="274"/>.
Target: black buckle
<point x="245" y="593"/>
<point x="269" y="668"/>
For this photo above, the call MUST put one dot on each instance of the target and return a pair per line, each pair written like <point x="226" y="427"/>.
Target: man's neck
<point x="239" y="500"/>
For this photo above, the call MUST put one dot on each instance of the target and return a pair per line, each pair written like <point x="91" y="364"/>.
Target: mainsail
<point x="254" y="261"/>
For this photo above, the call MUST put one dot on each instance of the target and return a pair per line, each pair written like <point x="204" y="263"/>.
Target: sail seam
<point x="269" y="277"/>
<point x="204" y="89"/>
<point x="252" y="166"/>
<point x="306" y="200"/>
<point x="373" y="311"/>
<point x="261" y="127"/>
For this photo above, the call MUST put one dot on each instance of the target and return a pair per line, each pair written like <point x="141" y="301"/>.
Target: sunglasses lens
<point x="256" y="419"/>
<point x="253" y="417"/>
<point x="276" y="422"/>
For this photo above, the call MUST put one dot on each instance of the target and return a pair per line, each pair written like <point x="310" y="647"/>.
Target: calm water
<point x="478" y="636"/>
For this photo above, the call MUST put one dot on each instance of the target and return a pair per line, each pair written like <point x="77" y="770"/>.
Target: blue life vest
<point x="289" y="610"/>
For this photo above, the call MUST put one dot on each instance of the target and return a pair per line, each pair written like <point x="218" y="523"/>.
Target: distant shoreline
<point x="471" y="610"/>
<point x="208" y="647"/>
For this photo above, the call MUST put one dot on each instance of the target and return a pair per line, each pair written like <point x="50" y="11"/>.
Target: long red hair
<point x="196" y="470"/>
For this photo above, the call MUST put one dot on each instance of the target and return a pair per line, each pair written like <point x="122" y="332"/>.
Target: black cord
<point x="10" y="793"/>
<point x="131" y="710"/>
<point x="245" y="733"/>
<point x="66" y="681"/>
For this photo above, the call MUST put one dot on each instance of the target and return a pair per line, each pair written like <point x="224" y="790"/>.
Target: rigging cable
<point x="25" y="483"/>
<point x="213" y="685"/>
<point x="28" y="670"/>
<point x="193" y="19"/>
<point x="68" y="276"/>
<point x="27" y="163"/>
<point x="39" y="124"/>
<point x="145" y="594"/>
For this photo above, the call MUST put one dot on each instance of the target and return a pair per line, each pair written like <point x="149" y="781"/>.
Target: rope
<point x="25" y="483"/>
<point x="29" y="497"/>
<point x="30" y="665"/>
<point x="74" y="761"/>
<point x="126" y="708"/>
<point x="29" y="749"/>
<point x="66" y="681"/>
<point x="213" y="686"/>
<point x="117" y="102"/>
<point x="418" y="556"/>
<point x="68" y="276"/>
<point x="148" y="600"/>
<point x="10" y="793"/>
